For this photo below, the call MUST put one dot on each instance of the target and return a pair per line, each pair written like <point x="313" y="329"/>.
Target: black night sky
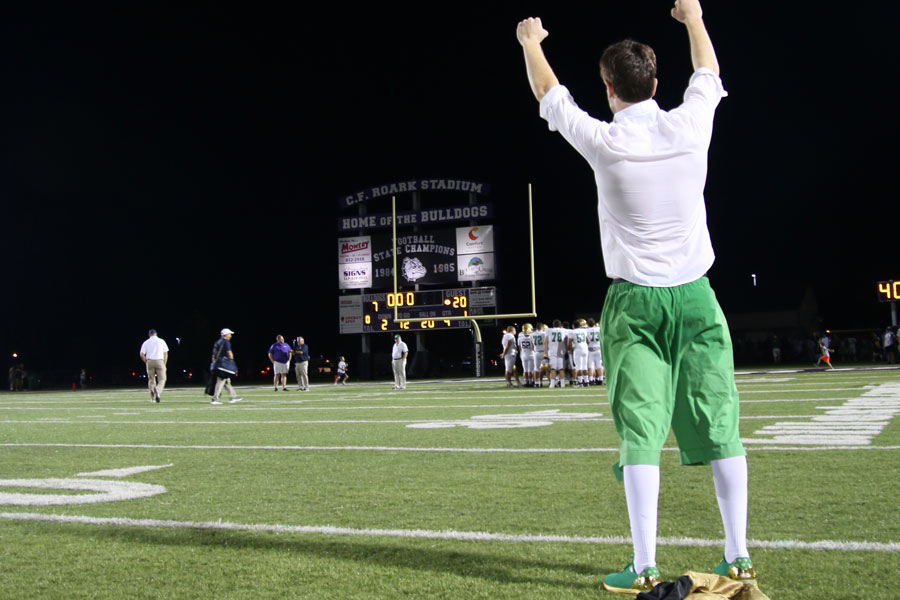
<point x="178" y="165"/>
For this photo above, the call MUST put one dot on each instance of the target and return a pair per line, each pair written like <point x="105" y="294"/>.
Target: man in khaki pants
<point x="155" y="354"/>
<point x="301" y="363"/>
<point x="398" y="362"/>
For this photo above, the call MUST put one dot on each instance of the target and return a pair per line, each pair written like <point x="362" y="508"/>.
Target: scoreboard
<point x="889" y="291"/>
<point x="371" y="313"/>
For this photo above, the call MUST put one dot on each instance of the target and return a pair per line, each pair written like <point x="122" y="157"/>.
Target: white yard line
<point x="204" y="406"/>
<point x="476" y="536"/>
<point x="785" y="448"/>
<point x="100" y="420"/>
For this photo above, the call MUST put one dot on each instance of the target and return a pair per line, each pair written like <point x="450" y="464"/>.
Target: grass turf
<point x="349" y="457"/>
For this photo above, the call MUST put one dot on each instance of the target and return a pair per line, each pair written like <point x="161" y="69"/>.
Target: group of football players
<point x="560" y="353"/>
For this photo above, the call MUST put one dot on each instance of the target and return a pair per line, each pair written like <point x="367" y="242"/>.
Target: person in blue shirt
<point x="220" y="348"/>
<point x="280" y="355"/>
<point x="301" y="363"/>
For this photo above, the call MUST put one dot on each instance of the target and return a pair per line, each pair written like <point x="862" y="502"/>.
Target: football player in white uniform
<point x="596" y="375"/>
<point x="509" y="355"/>
<point x="556" y="352"/>
<point x="526" y="354"/>
<point x="539" y="340"/>
<point x="578" y="350"/>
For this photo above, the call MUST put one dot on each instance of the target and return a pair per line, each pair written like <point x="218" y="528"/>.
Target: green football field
<point x="459" y="489"/>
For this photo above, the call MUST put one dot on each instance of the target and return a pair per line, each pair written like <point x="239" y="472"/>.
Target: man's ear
<point x="609" y="89"/>
<point x="655" y="82"/>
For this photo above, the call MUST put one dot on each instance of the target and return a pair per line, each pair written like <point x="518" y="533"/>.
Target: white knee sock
<point x="642" y="496"/>
<point x="730" y="478"/>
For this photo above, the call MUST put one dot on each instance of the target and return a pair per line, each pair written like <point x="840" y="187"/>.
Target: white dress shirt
<point x="650" y="170"/>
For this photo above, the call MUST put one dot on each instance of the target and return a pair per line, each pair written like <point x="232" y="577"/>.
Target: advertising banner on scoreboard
<point x="475" y="240"/>
<point x="350" y="312"/>
<point x="475" y="267"/>
<point x="354" y="250"/>
<point x="355" y="276"/>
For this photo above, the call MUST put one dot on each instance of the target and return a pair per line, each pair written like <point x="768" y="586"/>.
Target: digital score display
<point x="888" y="291"/>
<point x="432" y="305"/>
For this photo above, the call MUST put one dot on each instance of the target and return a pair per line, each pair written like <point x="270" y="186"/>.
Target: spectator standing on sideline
<point x="342" y="367"/>
<point x="155" y="354"/>
<point x="280" y="355"/>
<point x="223" y="347"/>
<point x="19" y="376"/>
<point x="301" y="363"/>
<point x="398" y="362"/>
<point x="661" y="322"/>
<point x="889" y="347"/>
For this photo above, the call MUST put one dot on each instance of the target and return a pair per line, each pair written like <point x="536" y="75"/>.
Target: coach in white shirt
<point x="398" y="362"/>
<point x="155" y="354"/>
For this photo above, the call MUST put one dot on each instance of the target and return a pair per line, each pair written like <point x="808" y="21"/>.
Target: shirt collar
<point x="636" y="111"/>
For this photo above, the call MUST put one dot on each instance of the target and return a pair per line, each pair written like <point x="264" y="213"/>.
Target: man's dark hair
<point x="629" y="67"/>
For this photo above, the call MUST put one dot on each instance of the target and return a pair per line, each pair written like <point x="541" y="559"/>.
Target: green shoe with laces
<point x="627" y="581"/>
<point x="741" y="569"/>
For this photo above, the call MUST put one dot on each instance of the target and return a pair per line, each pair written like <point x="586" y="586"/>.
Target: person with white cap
<point x="398" y="362"/>
<point x="155" y="354"/>
<point x="223" y="347"/>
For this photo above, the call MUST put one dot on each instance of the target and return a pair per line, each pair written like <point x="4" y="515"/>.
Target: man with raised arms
<point x="665" y="340"/>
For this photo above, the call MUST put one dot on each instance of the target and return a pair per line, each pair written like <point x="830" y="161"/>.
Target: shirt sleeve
<point x="701" y="98"/>
<point x="580" y="129"/>
<point x="705" y="86"/>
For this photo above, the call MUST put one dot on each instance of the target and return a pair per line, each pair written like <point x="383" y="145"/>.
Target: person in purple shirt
<point x="280" y="355"/>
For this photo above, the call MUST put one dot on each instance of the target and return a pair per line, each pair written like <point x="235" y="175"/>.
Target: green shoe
<point x="627" y="581"/>
<point x="740" y="570"/>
